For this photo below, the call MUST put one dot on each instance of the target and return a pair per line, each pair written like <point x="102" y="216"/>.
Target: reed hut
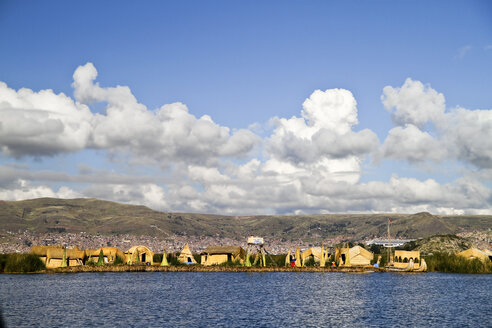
<point x="109" y="254"/>
<point x="475" y="253"/>
<point x="186" y="256"/>
<point x="355" y="256"/>
<point x="138" y="255"/>
<point x="59" y="257"/>
<point x="42" y="251"/>
<point x="214" y="255"/>
<point x="317" y="253"/>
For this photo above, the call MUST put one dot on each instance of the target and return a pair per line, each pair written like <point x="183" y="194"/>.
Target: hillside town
<point x="22" y="241"/>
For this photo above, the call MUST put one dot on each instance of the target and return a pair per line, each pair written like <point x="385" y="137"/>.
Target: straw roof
<point x="107" y="251"/>
<point x="57" y="253"/>
<point x="186" y="250"/>
<point x="314" y="251"/>
<point x="358" y="254"/>
<point x="473" y="253"/>
<point x="357" y="250"/>
<point x="185" y="255"/>
<point x="233" y="250"/>
<point x="42" y="250"/>
<point x="140" y="249"/>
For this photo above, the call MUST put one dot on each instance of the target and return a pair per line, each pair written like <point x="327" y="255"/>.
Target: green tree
<point x="100" y="260"/>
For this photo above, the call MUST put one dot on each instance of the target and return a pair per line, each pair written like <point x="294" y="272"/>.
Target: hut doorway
<point x="343" y="258"/>
<point x="143" y="257"/>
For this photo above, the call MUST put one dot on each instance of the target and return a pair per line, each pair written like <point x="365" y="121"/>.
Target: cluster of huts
<point x="57" y="256"/>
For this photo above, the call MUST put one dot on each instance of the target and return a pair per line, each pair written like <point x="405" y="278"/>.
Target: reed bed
<point x="199" y="268"/>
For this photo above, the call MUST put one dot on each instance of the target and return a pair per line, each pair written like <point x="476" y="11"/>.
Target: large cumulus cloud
<point x="311" y="163"/>
<point x="322" y="139"/>
<point x="41" y="123"/>
<point x="413" y="103"/>
<point x="427" y="131"/>
<point x="44" y="123"/>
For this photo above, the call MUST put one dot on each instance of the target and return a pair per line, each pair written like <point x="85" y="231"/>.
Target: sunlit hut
<point x="58" y="257"/>
<point x="314" y="253"/>
<point x="42" y="251"/>
<point x="109" y="254"/>
<point x="213" y="255"/>
<point x="139" y="254"/>
<point x="357" y="256"/>
<point x="475" y="253"/>
<point x="402" y="258"/>
<point x="186" y="256"/>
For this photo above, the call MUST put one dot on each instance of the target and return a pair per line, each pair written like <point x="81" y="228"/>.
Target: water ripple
<point x="193" y="299"/>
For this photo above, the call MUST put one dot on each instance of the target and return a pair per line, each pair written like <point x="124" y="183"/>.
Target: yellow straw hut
<point x="316" y="253"/>
<point x="138" y="255"/>
<point x="475" y="253"/>
<point x="60" y="257"/>
<point x="42" y="251"/>
<point x="355" y="256"/>
<point x="213" y="255"/>
<point x="186" y="256"/>
<point x="109" y="254"/>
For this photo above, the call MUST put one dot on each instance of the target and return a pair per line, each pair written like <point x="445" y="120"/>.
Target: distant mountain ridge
<point x="98" y="216"/>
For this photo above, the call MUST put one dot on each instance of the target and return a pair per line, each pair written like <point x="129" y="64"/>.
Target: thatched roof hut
<point x="357" y="256"/>
<point x="186" y="256"/>
<point x="139" y="254"/>
<point x="109" y="254"/>
<point x="214" y="255"/>
<point x="42" y="250"/>
<point x="55" y="257"/>
<point x="475" y="253"/>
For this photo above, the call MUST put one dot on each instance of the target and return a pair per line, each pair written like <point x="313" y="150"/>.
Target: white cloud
<point x="310" y="164"/>
<point x="168" y="135"/>
<point x="468" y="134"/>
<point x="41" y="123"/>
<point x="413" y="103"/>
<point x="412" y="144"/>
<point x="147" y="194"/>
<point x="44" y="123"/>
<point x="23" y="189"/>
<point x="459" y="134"/>
<point x="322" y="139"/>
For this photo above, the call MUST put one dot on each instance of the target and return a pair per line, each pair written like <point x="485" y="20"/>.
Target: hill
<point x="103" y="217"/>
<point x="449" y="244"/>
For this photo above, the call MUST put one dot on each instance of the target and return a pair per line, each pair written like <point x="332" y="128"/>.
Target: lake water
<point x="193" y="299"/>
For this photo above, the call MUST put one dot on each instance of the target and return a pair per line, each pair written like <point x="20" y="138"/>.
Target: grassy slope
<point x="97" y="216"/>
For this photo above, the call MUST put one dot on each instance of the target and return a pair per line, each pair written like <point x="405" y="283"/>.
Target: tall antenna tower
<point x="390" y="258"/>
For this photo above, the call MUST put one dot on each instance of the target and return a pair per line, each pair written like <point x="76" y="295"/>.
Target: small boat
<point x="409" y="268"/>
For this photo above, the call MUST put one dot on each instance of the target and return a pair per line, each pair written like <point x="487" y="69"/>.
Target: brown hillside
<point x="98" y="216"/>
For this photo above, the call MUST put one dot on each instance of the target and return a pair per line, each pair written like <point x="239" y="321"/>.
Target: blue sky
<point x="250" y="67"/>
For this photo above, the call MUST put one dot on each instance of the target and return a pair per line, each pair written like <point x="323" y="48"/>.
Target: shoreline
<point x="197" y="268"/>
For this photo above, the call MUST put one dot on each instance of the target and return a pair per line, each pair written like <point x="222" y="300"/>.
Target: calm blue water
<point x="246" y="300"/>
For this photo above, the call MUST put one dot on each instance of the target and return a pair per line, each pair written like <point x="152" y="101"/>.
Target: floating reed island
<point x="255" y="258"/>
<point x="224" y="258"/>
<point x="214" y="268"/>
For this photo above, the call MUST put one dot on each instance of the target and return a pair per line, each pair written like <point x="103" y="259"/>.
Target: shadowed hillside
<point x="97" y="216"/>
